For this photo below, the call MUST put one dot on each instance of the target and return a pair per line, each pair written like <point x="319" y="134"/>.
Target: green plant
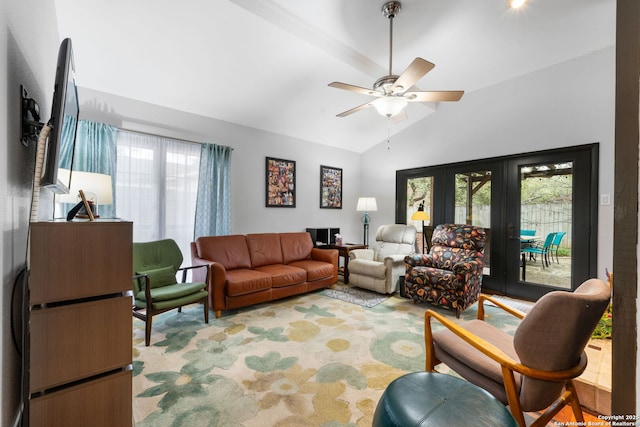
<point x="604" y="327"/>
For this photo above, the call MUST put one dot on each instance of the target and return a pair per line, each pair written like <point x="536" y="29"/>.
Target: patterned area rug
<point x="355" y="295"/>
<point x="309" y="360"/>
<point x="523" y="306"/>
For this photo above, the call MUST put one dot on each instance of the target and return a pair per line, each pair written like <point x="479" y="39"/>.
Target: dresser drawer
<point x="76" y="341"/>
<point x="103" y="402"/>
<point x="74" y="260"/>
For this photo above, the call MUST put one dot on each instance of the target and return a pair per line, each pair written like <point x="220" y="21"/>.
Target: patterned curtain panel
<point x="213" y="207"/>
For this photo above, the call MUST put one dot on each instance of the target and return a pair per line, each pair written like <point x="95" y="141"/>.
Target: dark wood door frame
<point x="625" y="224"/>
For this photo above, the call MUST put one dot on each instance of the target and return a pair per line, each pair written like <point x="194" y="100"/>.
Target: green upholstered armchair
<point x="155" y="287"/>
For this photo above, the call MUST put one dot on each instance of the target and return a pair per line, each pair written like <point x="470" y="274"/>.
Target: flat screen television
<point x="64" y="122"/>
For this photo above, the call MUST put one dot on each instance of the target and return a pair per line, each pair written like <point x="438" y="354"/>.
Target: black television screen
<point x="63" y="122"/>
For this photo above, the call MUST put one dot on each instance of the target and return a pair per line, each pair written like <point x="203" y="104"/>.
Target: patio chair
<point x="555" y="245"/>
<point x="541" y="249"/>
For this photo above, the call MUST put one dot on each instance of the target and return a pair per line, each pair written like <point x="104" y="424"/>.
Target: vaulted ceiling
<point x="266" y="63"/>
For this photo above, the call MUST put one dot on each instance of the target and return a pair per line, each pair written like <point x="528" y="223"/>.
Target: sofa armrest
<point x="216" y="283"/>
<point x="419" y="260"/>
<point x="326" y="255"/>
<point x="366" y="254"/>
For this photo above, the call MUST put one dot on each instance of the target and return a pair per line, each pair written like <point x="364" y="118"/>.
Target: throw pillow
<point x="160" y="276"/>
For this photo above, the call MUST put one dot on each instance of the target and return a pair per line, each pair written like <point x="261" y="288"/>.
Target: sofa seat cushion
<point x="245" y="281"/>
<point x="368" y="268"/>
<point x="171" y="292"/>
<point x="316" y="270"/>
<point x="284" y="275"/>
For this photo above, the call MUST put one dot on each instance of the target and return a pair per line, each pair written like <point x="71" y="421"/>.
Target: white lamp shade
<point x="89" y="182"/>
<point x="367" y="204"/>
<point x="389" y="106"/>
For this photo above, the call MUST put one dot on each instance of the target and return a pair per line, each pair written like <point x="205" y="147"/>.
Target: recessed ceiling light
<point x="516" y="4"/>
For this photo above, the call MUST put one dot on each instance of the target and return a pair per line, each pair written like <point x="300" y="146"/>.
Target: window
<point x="156" y="187"/>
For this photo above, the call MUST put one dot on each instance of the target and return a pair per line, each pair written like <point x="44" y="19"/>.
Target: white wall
<point x="569" y="104"/>
<point x="251" y="146"/>
<point x="28" y="52"/>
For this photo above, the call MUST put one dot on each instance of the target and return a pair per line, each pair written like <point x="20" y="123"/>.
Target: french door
<point x="539" y="211"/>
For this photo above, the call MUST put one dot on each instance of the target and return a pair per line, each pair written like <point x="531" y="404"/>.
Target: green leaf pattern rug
<point x="309" y="360"/>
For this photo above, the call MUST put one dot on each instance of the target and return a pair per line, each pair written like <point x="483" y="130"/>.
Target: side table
<point x="343" y="251"/>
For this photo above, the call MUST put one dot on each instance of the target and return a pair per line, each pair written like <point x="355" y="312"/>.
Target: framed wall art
<point x="281" y="183"/>
<point x="330" y="187"/>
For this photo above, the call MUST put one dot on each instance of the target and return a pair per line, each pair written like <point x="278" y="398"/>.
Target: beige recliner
<point x="380" y="267"/>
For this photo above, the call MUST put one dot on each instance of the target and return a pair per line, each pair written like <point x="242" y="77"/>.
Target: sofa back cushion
<point x="230" y="251"/>
<point x="264" y="249"/>
<point x="295" y="246"/>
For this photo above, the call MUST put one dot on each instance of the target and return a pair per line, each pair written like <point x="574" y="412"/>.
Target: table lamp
<point x="421" y="215"/>
<point x="366" y="205"/>
<point x="97" y="188"/>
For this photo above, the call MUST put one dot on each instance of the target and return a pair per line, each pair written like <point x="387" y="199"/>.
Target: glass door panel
<point x="419" y="209"/>
<point x="546" y="205"/>
<point x="473" y="205"/>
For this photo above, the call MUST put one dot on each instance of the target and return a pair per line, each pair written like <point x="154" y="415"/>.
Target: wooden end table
<point x="343" y="251"/>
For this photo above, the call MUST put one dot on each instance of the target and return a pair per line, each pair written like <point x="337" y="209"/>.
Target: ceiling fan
<point x="391" y="90"/>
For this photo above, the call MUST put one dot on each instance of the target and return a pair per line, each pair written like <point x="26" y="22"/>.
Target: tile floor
<point x="594" y="385"/>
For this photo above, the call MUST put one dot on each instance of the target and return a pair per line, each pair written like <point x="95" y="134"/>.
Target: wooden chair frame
<point x="149" y="311"/>
<point x="509" y="366"/>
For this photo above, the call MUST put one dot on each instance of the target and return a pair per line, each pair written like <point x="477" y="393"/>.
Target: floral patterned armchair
<point x="450" y="275"/>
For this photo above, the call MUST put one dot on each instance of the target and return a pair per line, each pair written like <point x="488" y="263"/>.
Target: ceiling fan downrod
<point x="390" y="10"/>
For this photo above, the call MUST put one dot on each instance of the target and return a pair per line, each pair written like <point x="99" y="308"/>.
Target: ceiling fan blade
<point x="354" y="110"/>
<point x="434" y="96"/>
<point x="352" y="88"/>
<point x="414" y="72"/>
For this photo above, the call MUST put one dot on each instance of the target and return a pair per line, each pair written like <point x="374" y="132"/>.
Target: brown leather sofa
<point x="255" y="268"/>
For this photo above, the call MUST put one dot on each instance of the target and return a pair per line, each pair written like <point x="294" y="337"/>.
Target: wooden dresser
<point x="79" y="347"/>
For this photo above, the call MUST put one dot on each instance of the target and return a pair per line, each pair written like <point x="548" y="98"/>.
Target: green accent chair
<point x="155" y="287"/>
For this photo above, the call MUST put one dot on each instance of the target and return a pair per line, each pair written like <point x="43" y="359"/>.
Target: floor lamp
<point x="366" y="205"/>
<point x="421" y="215"/>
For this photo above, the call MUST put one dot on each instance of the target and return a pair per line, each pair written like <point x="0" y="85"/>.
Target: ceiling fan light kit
<point x="392" y="91"/>
<point x="516" y="4"/>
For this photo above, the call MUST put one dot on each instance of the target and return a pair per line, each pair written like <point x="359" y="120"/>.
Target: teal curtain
<point x="213" y="205"/>
<point x="66" y="146"/>
<point x="95" y="151"/>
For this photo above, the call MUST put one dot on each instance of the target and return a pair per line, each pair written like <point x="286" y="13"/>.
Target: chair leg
<point x="206" y="310"/>
<point x="575" y="402"/>
<point x="147" y="330"/>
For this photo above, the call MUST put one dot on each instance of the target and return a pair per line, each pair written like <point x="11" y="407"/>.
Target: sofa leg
<point x="218" y="314"/>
